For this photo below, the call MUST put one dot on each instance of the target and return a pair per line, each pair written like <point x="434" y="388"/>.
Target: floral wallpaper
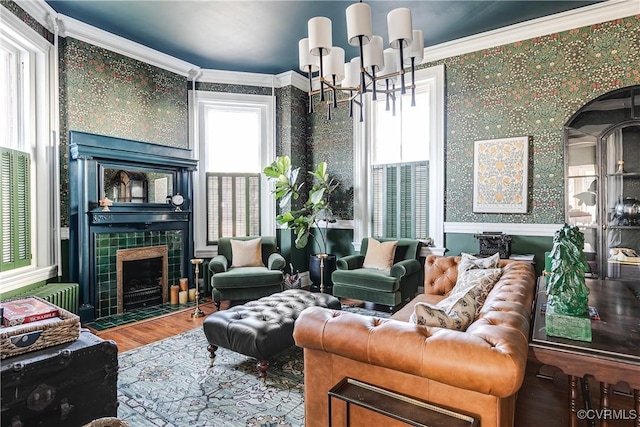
<point x="531" y="88"/>
<point x="106" y="93"/>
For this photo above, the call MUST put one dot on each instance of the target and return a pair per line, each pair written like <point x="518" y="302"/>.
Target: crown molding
<point x="288" y="78"/>
<point x="542" y="230"/>
<point x="291" y="78"/>
<point x="577" y="18"/>
<point x="70" y="27"/>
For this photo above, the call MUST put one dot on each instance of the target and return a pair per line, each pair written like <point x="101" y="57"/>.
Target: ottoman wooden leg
<point x="212" y="353"/>
<point x="262" y="366"/>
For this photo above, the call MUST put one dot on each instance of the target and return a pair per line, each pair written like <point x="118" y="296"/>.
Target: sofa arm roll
<point x="492" y="360"/>
<point x="276" y="262"/>
<point x="350" y="262"/>
<point x="405" y="267"/>
<point x="218" y="264"/>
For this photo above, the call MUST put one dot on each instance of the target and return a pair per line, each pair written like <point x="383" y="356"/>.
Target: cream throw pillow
<point x="246" y="253"/>
<point x="470" y="262"/>
<point x="454" y="312"/>
<point x="380" y="255"/>
<point x="482" y="279"/>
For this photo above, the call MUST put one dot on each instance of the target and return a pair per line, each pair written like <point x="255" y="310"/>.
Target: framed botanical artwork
<point x="500" y="175"/>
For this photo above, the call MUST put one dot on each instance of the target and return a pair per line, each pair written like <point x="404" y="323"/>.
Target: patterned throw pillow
<point x="477" y="277"/>
<point x="470" y="262"/>
<point x="454" y="312"/>
<point x="246" y="253"/>
<point x="380" y="254"/>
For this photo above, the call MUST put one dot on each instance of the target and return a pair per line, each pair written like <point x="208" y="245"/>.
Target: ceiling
<point x="262" y="36"/>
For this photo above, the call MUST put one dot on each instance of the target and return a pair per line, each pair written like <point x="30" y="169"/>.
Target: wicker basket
<point x="30" y="337"/>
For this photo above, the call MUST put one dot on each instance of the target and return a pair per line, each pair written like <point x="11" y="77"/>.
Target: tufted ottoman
<point x="262" y="328"/>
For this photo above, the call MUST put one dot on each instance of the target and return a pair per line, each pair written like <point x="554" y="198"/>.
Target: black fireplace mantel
<point x="89" y="155"/>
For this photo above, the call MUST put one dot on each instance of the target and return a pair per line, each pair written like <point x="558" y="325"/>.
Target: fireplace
<point x="110" y="249"/>
<point x="142" y="277"/>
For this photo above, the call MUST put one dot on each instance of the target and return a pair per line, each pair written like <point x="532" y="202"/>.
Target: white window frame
<point x="202" y="101"/>
<point x="42" y="144"/>
<point x="433" y="77"/>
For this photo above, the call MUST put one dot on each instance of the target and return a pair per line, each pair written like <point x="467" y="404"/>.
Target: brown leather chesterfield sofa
<point x="477" y="372"/>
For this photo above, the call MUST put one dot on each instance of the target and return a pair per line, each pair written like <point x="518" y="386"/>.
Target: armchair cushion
<point x="380" y="255"/>
<point x="367" y="278"/>
<point x="247" y="253"/>
<point x="247" y="277"/>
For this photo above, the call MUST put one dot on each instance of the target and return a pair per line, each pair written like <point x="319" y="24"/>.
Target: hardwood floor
<point x="540" y="401"/>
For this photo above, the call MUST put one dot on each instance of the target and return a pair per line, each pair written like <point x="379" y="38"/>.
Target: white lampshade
<point x="351" y="73"/>
<point x="372" y="53"/>
<point x="358" y="23"/>
<point x="390" y="63"/>
<point x="416" y="50"/>
<point x="319" y="35"/>
<point x="399" y="26"/>
<point x="335" y="64"/>
<point x="305" y="58"/>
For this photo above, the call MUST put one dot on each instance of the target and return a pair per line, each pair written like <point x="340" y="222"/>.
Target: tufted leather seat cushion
<point x="264" y="327"/>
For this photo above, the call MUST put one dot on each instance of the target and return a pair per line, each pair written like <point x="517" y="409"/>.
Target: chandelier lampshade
<point x="308" y="63"/>
<point x="317" y="53"/>
<point x="320" y="38"/>
<point x="358" y="24"/>
<point x="399" y="27"/>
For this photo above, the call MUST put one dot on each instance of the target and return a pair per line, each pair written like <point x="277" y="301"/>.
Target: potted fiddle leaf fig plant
<point x="315" y="212"/>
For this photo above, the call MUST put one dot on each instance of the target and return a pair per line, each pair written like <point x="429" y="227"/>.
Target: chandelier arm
<point x="335" y="93"/>
<point x="321" y="78"/>
<point x="387" y="106"/>
<point x="363" y="86"/>
<point x="402" y="87"/>
<point x="310" y="76"/>
<point x="413" y="81"/>
<point x="373" y="84"/>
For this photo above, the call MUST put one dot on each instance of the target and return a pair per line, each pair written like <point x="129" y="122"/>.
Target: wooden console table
<point x="612" y="356"/>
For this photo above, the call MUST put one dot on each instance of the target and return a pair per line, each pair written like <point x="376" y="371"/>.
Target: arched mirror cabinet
<point x="602" y="170"/>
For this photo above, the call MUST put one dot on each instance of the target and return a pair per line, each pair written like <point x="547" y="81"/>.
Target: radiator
<point x="64" y="295"/>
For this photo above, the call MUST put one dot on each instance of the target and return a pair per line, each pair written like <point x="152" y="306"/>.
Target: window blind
<point x="233" y="205"/>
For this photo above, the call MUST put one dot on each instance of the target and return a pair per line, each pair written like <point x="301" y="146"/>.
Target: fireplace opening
<point x="142" y="277"/>
<point x="141" y="283"/>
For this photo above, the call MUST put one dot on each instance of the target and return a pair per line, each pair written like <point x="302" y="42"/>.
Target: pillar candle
<point x="192" y="294"/>
<point x="182" y="297"/>
<point x="184" y="283"/>
<point x="174" y="294"/>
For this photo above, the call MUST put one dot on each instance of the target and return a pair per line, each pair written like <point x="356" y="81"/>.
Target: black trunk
<point x="65" y="385"/>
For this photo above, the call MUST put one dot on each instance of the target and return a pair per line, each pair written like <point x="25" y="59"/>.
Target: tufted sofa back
<point x="441" y="273"/>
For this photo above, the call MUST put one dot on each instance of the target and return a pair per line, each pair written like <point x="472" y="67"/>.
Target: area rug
<point x="169" y="383"/>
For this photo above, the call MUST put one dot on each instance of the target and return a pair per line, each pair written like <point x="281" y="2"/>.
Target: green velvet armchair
<point x="390" y="288"/>
<point x="245" y="283"/>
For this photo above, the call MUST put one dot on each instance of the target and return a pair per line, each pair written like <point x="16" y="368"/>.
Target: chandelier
<point x="374" y="64"/>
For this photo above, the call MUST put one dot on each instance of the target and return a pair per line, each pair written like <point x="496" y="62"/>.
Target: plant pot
<point x="314" y="273"/>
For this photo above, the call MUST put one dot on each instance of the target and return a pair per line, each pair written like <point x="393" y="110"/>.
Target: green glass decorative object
<point x="567" y="293"/>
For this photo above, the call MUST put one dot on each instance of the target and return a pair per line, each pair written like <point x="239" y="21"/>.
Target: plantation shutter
<point x="233" y="205"/>
<point x="15" y="210"/>
<point x="400" y="200"/>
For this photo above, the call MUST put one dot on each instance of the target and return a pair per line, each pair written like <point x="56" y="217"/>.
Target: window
<point x="28" y="170"/>
<point x="399" y="164"/>
<point x="235" y="134"/>
<point x="399" y="170"/>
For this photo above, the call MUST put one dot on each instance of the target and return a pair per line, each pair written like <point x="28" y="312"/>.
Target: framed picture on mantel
<point x="500" y="175"/>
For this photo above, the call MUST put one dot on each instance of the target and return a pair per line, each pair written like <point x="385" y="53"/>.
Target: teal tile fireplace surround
<point x="106" y="248"/>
